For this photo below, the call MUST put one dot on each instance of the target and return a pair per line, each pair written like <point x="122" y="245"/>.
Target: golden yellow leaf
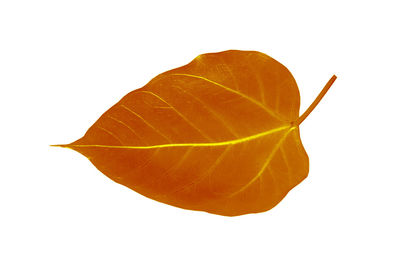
<point x="220" y="134"/>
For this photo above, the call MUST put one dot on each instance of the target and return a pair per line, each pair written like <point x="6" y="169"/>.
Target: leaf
<point x="220" y="134"/>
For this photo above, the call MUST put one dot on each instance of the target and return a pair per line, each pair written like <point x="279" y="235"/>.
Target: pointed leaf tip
<point x="63" y="145"/>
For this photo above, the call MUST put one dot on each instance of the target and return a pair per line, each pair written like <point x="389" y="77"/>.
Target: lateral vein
<point x="269" y="111"/>
<point x="266" y="164"/>
<point x="177" y="111"/>
<point x="146" y="122"/>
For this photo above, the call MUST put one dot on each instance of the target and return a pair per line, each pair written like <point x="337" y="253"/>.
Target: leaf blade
<point x="190" y="140"/>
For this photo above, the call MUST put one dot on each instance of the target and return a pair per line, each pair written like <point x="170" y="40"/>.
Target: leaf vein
<point x="179" y="113"/>
<point x="223" y="143"/>
<point x="110" y="133"/>
<point x="286" y="161"/>
<point x="146" y="122"/>
<point x="266" y="164"/>
<point x="207" y="107"/>
<point x="259" y="104"/>
<point x="126" y="125"/>
<point x="200" y="178"/>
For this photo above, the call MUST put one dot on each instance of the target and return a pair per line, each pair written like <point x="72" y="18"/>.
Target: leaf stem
<point x="316" y="101"/>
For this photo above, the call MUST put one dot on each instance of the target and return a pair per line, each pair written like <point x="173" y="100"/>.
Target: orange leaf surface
<point x="220" y="134"/>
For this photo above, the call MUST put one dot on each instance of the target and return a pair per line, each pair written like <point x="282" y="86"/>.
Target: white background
<point x="63" y="63"/>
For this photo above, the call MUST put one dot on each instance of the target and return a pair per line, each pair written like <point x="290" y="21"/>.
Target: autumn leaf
<point x="220" y="134"/>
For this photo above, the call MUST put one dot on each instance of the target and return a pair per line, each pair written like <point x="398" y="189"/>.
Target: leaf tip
<point x="63" y="145"/>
